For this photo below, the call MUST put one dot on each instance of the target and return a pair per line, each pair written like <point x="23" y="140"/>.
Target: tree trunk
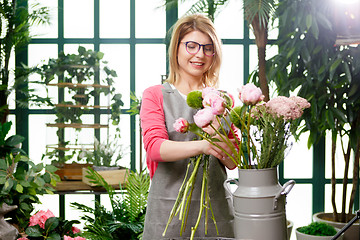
<point x="345" y="181"/>
<point x="333" y="180"/>
<point x="260" y="32"/>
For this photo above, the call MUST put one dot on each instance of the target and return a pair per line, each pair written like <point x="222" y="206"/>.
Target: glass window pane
<point x="37" y="127"/>
<point x="79" y="19"/>
<point x="72" y="213"/>
<point x="118" y="58"/>
<point x="114" y="13"/>
<point x="150" y="65"/>
<point x="229" y="23"/>
<point x="124" y="140"/>
<point x="338" y="197"/>
<point x="73" y="48"/>
<point x="298" y="153"/>
<point x="232" y="71"/>
<point x="300" y="195"/>
<point x="150" y="19"/>
<point x="40" y="54"/>
<point x="47" y="30"/>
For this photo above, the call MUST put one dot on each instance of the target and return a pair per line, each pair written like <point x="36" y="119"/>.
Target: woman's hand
<point x="219" y="153"/>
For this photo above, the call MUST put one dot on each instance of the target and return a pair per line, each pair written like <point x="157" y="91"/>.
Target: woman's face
<point x="196" y="64"/>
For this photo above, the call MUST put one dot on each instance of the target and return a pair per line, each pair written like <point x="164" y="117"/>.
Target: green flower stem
<point x="193" y="229"/>
<point x="174" y="211"/>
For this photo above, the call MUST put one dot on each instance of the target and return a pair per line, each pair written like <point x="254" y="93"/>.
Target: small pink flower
<point x="204" y="117"/>
<point x="250" y="94"/>
<point x="75" y="230"/>
<point x="301" y="102"/>
<point x="23" y="238"/>
<point x="40" y="218"/>
<point x="181" y="125"/>
<point x="67" y="238"/>
<point x="284" y="107"/>
<point x="79" y="238"/>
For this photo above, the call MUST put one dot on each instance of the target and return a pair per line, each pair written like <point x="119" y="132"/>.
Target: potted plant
<point x="104" y="159"/>
<point x="16" y="18"/>
<point x="125" y="220"/>
<point x="76" y="73"/>
<point x="326" y="75"/>
<point x="44" y="225"/>
<point x="21" y="182"/>
<point x="316" y="231"/>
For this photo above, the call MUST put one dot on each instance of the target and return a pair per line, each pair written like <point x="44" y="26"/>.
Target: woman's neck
<point x="185" y="86"/>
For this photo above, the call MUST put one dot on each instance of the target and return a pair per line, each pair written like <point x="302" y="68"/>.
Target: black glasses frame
<point x="200" y="45"/>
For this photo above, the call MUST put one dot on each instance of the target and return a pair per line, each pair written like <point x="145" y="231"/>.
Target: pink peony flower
<point x="204" y="117"/>
<point x="284" y="107"/>
<point x="250" y="94"/>
<point x="208" y="90"/>
<point x="218" y="106"/>
<point x="181" y="125"/>
<point x="40" y="218"/>
<point x="75" y="230"/>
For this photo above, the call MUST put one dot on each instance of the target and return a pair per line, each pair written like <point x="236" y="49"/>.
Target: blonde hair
<point x="183" y="26"/>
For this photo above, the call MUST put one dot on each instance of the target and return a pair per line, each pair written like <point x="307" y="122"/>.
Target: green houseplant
<point x="125" y="220"/>
<point x="77" y="73"/>
<point x="15" y="19"/>
<point x="326" y="75"/>
<point x="316" y="230"/>
<point x="21" y="182"/>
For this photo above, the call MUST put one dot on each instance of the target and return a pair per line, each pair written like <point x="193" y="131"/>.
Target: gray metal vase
<point x="259" y="204"/>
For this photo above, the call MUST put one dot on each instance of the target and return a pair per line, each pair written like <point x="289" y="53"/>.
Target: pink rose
<point x="181" y="125"/>
<point x="204" y="117"/>
<point x="40" y="218"/>
<point x="75" y="230"/>
<point x="250" y="94"/>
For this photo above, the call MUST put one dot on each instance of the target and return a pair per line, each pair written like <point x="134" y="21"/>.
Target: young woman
<point x="195" y="58"/>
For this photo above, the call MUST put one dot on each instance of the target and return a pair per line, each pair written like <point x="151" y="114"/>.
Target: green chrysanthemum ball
<point x="194" y="99"/>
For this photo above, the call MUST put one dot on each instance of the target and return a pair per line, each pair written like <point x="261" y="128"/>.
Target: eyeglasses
<point x="194" y="47"/>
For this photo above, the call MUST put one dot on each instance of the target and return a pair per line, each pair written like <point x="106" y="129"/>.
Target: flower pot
<point x="71" y="171"/>
<point x="112" y="176"/>
<point x="259" y="205"/>
<point x="303" y="236"/>
<point x="350" y="234"/>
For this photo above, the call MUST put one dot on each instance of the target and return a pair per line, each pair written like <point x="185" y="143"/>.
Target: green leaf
<point x="51" y="223"/>
<point x="340" y="115"/>
<point x="51" y="168"/>
<point x="54" y="236"/>
<point x="14" y="140"/>
<point x="19" y="188"/>
<point x="34" y="231"/>
<point x="315" y="29"/>
<point x="334" y="66"/>
<point x="308" y="21"/>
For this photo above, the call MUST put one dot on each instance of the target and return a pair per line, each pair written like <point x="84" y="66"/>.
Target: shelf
<point x="74" y="186"/>
<point x="81" y="106"/>
<point x="77" y="85"/>
<point x="67" y="147"/>
<point x="77" y="125"/>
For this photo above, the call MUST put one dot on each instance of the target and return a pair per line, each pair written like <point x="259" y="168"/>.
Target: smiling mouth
<point x="197" y="63"/>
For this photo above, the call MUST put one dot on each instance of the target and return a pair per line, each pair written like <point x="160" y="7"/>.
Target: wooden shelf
<point x="74" y="186"/>
<point x="70" y="147"/>
<point x="78" y="85"/>
<point x="77" y="125"/>
<point x="81" y="106"/>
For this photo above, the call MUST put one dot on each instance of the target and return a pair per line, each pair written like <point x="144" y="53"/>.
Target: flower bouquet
<point x="44" y="225"/>
<point x="262" y="131"/>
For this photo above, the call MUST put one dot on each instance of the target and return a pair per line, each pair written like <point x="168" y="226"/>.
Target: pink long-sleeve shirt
<point x="153" y="126"/>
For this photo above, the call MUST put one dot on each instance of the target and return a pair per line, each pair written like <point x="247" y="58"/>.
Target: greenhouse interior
<point x="97" y="117"/>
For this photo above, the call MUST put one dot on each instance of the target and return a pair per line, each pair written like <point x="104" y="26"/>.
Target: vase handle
<point x="286" y="188"/>
<point x="226" y="184"/>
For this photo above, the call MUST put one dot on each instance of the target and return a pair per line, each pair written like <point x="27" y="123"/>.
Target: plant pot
<point x="303" y="236"/>
<point x="290" y="226"/>
<point x="259" y="204"/>
<point x="350" y="234"/>
<point x="71" y="171"/>
<point x="112" y="176"/>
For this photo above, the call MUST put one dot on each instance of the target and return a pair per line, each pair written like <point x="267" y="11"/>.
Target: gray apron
<point x="168" y="178"/>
